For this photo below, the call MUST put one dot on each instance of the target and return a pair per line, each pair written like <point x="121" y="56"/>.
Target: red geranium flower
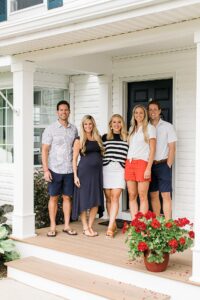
<point x="182" y="241"/>
<point x="139" y="226"/>
<point x="155" y="223"/>
<point x="181" y="222"/>
<point x="125" y="227"/>
<point x="142" y="246"/>
<point x="168" y="225"/>
<point x="173" y="243"/>
<point x="139" y="215"/>
<point x="191" y="234"/>
<point x="150" y="215"/>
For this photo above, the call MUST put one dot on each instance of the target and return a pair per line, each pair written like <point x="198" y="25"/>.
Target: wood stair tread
<point x="84" y="281"/>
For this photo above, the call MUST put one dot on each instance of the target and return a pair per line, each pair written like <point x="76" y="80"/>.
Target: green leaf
<point x="7" y="245"/>
<point x="3" y="232"/>
<point x="1" y="250"/>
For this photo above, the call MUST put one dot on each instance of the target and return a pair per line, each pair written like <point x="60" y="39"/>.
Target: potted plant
<point x="155" y="238"/>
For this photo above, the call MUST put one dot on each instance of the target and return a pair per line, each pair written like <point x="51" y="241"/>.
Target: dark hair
<point x="63" y="102"/>
<point x="154" y="102"/>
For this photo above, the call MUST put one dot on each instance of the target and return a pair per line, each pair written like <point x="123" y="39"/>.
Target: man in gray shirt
<point x="57" y="141"/>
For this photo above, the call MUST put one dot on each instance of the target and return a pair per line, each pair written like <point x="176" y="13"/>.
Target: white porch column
<point x="196" y="250"/>
<point x="23" y="215"/>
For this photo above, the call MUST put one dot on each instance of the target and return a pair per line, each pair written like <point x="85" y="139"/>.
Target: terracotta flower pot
<point x="156" y="267"/>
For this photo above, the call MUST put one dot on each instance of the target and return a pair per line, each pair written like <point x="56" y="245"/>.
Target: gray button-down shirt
<point x="61" y="140"/>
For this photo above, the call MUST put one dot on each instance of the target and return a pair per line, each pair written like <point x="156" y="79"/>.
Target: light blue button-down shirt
<point x="61" y="140"/>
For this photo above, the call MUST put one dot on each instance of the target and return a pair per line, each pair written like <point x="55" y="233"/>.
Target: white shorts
<point x="113" y="176"/>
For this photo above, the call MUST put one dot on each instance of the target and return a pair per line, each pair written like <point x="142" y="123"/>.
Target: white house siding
<point x="41" y="79"/>
<point x="181" y="66"/>
<point x="86" y="98"/>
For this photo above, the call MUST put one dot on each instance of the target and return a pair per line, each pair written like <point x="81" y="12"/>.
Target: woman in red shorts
<point x="142" y="143"/>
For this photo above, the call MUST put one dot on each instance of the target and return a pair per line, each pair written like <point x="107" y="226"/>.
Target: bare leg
<point x="86" y="230"/>
<point x="107" y="193"/>
<point x="155" y="203"/>
<point x="66" y="210"/>
<point x="53" y="207"/>
<point x="143" y="190"/>
<point x="92" y="215"/>
<point x="115" y="194"/>
<point x="167" y="205"/>
<point x="133" y="193"/>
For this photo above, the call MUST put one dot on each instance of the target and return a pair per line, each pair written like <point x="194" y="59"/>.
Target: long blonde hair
<point x="95" y="135"/>
<point x="133" y="127"/>
<point x="123" y="131"/>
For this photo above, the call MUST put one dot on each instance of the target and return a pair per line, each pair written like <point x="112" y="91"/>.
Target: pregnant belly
<point x="94" y="160"/>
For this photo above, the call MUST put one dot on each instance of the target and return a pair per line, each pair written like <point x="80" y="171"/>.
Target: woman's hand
<point x="77" y="181"/>
<point x="147" y="173"/>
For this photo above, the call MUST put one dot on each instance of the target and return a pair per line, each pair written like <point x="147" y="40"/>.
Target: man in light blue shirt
<point x="57" y="142"/>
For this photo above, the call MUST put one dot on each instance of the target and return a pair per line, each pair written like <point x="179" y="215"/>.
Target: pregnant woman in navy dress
<point x="88" y="178"/>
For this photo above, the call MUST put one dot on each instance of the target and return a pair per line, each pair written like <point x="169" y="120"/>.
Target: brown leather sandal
<point x="110" y="233"/>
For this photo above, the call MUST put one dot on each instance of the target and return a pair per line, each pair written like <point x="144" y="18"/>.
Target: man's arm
<point x="171" y="154"/>
<point x="45" y="154"/>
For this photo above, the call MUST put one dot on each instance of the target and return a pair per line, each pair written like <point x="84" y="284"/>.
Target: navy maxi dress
<point x="90" y="193"/>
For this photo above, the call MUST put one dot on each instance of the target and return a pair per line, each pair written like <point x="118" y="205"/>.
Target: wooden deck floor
<point x="112" y="251"/>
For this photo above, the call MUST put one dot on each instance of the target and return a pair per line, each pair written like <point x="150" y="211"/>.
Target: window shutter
<point x="54" y="3"/>
<point x="3" y="10"/>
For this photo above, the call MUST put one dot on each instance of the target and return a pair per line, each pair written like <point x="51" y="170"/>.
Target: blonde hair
<point x="133" y="127"/>
<point x="123" y="132"/>
<point x="95" y="135"/>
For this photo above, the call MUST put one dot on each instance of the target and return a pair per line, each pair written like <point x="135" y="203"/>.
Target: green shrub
<point x="7" y="247"/>
<point x="41" y="199"/>
<point x="5" y="209"/>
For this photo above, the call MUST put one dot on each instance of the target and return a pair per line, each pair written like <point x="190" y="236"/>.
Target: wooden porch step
<point x="86" y="283"/>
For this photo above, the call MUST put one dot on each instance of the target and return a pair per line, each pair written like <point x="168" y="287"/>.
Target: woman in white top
<point x="142" y="144"/>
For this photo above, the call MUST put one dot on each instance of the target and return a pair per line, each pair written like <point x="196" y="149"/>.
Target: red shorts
<point x="134" y="170"/>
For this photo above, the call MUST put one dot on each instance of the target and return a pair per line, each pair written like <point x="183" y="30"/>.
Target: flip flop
<point x="70" y="231"/>
<point x="86" y="234"/>
<point x="52" y="233"/>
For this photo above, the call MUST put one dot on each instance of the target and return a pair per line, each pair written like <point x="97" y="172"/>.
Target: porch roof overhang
<point x="64" y="28"/>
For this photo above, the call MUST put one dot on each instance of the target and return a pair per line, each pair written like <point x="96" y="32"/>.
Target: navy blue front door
<point x="142" y="92"/>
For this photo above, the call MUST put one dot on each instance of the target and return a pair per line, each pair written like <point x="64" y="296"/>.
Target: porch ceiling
<point x="94" y="30"/>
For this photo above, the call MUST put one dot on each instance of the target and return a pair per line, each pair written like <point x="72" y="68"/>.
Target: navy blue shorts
<point x="62" y="184"/>
<point x="161" y="178"/>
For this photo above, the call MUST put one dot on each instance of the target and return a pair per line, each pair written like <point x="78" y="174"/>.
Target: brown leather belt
<point x="162" y="161"/>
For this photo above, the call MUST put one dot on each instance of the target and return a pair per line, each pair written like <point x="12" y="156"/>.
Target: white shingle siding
<point x="86" y="97"/>
<point x="181" y="66"/>
<point x="6" y="184"/>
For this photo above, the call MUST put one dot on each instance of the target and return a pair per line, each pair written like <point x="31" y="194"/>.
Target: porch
<point x="102" y="264"/>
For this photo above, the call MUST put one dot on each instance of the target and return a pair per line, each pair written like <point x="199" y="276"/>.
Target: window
<point x="54" y="3"/>
<point x="21" y="4"/>
<point x="45" y="101"/>
<point x="6" y="128"/>
<point x="3" y="10"/>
